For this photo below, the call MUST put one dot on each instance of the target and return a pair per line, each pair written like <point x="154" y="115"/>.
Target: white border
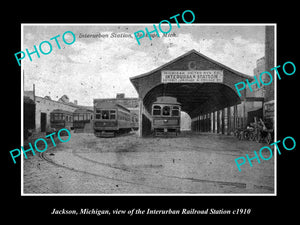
<point x="275" y="112"/>
<point x="135" y="24"/>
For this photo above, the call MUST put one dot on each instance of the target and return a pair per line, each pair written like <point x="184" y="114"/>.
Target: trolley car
<point x="110" y="119"/>
<point x="166" y="116"/>
<point x="82" y="120"/>
<point x="61" y="119"/>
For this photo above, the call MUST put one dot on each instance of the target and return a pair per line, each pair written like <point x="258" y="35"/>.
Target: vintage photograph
<point x="181" y="113"/>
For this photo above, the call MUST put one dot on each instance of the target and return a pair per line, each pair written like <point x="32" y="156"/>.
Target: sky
<point x="100" y="67"/>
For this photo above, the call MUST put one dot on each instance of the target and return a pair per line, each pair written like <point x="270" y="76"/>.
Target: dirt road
<point x="191" y="163"/>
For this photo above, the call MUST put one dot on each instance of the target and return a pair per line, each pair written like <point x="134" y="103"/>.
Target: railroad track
<point x="44" y="157"/>
<point x="132" y="170"/>
<point x="163" y="176"/>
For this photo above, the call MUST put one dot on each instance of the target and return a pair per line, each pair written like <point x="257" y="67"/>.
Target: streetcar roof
<point x="166" y="100"/>
<point x="61" y="111"/>
<point x="82" y="110"/>
<point x="109" y="105"/>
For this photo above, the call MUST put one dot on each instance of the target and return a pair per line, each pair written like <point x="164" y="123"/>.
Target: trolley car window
<point x="156" y="110"/>
<point x="166" y="111"/>
<point x="175" y="111"/>
<point x="105" y="114"/>
<point x="58" y="116"/>
<point x="112" y="114"/>
<point x="101" y="114"/>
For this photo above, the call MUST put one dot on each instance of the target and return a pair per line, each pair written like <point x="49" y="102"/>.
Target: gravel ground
<point x="191" y="163"/>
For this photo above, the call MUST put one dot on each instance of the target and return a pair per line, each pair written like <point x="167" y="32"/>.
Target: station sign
<point x="192" y="76"/>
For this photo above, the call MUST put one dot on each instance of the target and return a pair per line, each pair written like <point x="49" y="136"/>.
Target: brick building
<point x="265" y="64"/>
<point x="269" y="97"/>
<point x="45" y="105"/>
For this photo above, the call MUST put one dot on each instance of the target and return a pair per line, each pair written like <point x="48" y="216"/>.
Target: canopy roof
<point x="195" y="98"/>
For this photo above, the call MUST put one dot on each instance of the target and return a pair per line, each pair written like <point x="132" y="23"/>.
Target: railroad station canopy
<point x="199" y="83"/>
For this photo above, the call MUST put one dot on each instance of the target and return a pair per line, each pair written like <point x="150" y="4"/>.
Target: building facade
<point x="269" y="103"/>
<point x="44" y="106"/>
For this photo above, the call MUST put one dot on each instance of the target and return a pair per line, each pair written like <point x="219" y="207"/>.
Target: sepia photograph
<point x="188" y="112"/>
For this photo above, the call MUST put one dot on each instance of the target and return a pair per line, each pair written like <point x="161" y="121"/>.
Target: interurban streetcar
<point x="111" y="119"/>
<point x="82" y="120"/>
<point x="166" y="116"/>
<point x="61" y="119"/>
